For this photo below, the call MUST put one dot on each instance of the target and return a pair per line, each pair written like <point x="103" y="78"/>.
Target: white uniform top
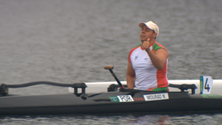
<point x="147" y="76"/>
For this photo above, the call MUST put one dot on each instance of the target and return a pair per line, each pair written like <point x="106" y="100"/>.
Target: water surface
<point x="71" y="41"/>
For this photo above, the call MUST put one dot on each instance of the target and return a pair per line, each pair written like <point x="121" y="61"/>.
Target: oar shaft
<point x="113" y="74"/>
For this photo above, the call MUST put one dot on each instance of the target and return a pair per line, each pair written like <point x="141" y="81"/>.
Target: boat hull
<point x="177" y="102"/>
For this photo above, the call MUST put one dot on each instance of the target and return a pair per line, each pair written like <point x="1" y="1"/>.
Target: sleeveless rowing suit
<point x="147" y="76"/>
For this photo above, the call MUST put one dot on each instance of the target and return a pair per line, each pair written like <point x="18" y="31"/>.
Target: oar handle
<point x="108" y="67"/>
<point x="113" y="74"/>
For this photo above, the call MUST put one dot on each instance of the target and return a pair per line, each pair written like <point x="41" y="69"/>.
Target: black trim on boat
<point x="184" y="87"/>
<point x="4" y="88"/>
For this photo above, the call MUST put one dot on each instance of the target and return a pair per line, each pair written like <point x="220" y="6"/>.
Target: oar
<point x="113" y="74"/>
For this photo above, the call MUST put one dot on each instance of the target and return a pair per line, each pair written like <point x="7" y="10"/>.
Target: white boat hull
<point x="102" y="86"/>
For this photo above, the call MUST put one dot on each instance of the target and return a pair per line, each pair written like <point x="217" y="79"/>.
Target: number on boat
<point x="206" y="86"/>
<point x="153" y="97"/>
<point x="206" y="83"/>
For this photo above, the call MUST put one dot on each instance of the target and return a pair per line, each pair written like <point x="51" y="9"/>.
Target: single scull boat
<point x="117" y="99"/>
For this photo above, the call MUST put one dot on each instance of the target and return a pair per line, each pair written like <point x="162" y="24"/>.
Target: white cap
<point x="151" y="25"/>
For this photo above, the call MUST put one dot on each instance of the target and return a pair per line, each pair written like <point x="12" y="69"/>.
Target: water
<point x="215" y="119"/>
<point x="71" y="40"/>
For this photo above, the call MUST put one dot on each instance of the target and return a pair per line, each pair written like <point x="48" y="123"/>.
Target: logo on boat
<point x="153" y="97"/>
<point x="121" y="98"/>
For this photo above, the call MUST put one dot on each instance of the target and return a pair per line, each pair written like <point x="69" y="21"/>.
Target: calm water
<point x="72" y="40"/>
